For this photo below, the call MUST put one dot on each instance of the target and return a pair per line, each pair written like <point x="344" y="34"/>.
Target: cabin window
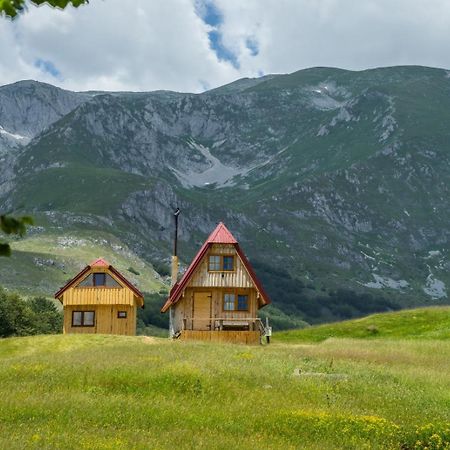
<point x="99" y="279"/>
<point x="83" y="318"/>
<point x="228" y="302"/>
<point x="214" y="262"/>
<point x="242" y="303"/>
<point x="217" y="263"/>
<point x="232" y="302"/>
<point x="228" y="263"/>
<point x="121" y="314"/>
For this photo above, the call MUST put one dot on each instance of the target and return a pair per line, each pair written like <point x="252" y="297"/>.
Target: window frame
<point x="209" y="262"/>
<point x="236" y="294"/>
<point x="221" y="262"/>
<point x="98" y="274"/>
<point x="237" y="302"/>
<point x="98" y="286"/>
<point x="232" y="263"/>
<point x="83" y="325"/>
<point x="122" y="314"/>
<point x="223" y="301"/>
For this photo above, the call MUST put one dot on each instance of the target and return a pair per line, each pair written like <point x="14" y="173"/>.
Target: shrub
<point x="19" y="317"/>
<point x="132" y="270"/>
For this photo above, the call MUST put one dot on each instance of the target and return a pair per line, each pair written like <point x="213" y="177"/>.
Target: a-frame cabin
<point x="219" y="295"/>
<point x="100" y="300"/>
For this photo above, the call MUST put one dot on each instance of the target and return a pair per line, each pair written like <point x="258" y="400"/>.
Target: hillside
<point x="421" y="323"/>
<point x="335" y="182"/>
<point x="93" y="391"/>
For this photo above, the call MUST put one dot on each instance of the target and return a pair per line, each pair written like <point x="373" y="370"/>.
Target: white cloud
<point x="149" y="44"/>
<point x="295" y="34"/>
<point x="112" y="45"/>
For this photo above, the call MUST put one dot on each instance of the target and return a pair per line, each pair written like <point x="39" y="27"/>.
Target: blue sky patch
<point x="222" y="52"/>
<point x="252" y="44"/>
<point x="47" y="67"/>
<point x="212" y="16"/>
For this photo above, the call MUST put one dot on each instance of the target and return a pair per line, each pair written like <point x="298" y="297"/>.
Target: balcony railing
<point x="226" y="323"/>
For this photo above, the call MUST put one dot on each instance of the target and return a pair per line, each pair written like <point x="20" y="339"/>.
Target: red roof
<point x="100" y="263"/>
<point x="221" y="235"/>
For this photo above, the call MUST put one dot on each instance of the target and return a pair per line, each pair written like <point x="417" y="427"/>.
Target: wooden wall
<point x="216" y="284"/>
<point x="184" y="309"/>
<point x="96" y="295"/>
<point x="106" y="320"/>
<point x="236" y="278"/>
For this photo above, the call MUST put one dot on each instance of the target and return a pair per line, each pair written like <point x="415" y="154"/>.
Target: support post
<point x="174" y="274"/>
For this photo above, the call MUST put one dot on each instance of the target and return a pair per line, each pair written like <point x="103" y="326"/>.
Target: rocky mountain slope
<point x="338" y="179"/>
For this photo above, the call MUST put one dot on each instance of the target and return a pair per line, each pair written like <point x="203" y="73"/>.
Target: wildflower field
<point x="110" y="392"/>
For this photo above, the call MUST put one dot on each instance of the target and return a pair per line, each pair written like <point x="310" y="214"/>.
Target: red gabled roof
<point x="99" y="263"/>
<point x="221" y="235"/>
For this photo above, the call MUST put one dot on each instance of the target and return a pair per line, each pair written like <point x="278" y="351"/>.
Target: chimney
<point x="175" y="256"/>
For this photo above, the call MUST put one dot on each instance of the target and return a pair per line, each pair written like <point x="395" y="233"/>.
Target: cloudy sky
<point x="194" y="45"/>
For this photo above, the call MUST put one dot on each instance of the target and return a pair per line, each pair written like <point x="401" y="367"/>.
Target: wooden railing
<point x="225" y="323"/>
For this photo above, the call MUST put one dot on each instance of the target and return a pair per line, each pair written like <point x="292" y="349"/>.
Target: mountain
<point x="335" y="182"/>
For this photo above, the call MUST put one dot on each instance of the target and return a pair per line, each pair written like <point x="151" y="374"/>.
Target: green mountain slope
<point x="338" y="178"/>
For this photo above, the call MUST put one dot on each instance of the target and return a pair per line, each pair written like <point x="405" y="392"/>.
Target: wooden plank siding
<point x="105" y="301"/>
<point x="106" y="320"/>
<point x="185" y="313"/>
<point x="98" y="295"/>
<point x="214" y="285"/>
<point x="236" y="278"/>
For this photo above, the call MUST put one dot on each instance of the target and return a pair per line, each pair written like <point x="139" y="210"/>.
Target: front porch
<point x="245" y="330"/>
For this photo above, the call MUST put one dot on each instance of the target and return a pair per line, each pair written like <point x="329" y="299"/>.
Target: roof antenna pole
<point x="174" y="276"/>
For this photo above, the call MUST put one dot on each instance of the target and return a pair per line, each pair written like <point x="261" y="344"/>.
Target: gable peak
<point x="221" y="235"/>
<point x="100" y="262"/>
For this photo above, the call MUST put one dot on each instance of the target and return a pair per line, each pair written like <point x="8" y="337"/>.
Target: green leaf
<point x="5" y="249"/>
<point x="11" y="8"/>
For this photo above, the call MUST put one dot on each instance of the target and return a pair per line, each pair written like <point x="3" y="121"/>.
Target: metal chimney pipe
<point x="175" y="245"/>
<point x="175" y="241"/>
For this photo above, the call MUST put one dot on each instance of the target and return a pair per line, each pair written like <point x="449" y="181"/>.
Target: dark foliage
<point x="293" y="298"/>
<point x="151" y="314"/>
<point x="133" y="270"/>
<point x="12" y="225"/>
<point x="161" y="268"/>
<point x="12" y="7"/>
<point x="19" y="317"/>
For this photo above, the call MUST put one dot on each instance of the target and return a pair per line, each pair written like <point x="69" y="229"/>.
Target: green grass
<point x="421" y="323"/>
<point x="41" y="263"/>
<point x="98" y="191"/>
<point x="111" y="392"/>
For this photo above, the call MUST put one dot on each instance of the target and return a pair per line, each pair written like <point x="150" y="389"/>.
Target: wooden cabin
<point x="219" y="296"/>
<point x="100" y="300"/>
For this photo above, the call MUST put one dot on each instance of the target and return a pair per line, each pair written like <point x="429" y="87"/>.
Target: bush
<point x="19" y="317"/>
<point x="161" y="268"/>
<point x="151" y="314"/>
<point x="133" y="270"/>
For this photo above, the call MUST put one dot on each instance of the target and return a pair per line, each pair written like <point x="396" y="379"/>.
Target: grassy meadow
<point x="111" y="392"/>
<point x="420" y="323"/>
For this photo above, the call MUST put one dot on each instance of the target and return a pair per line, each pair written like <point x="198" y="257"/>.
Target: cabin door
<point x="202" y="311"/>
